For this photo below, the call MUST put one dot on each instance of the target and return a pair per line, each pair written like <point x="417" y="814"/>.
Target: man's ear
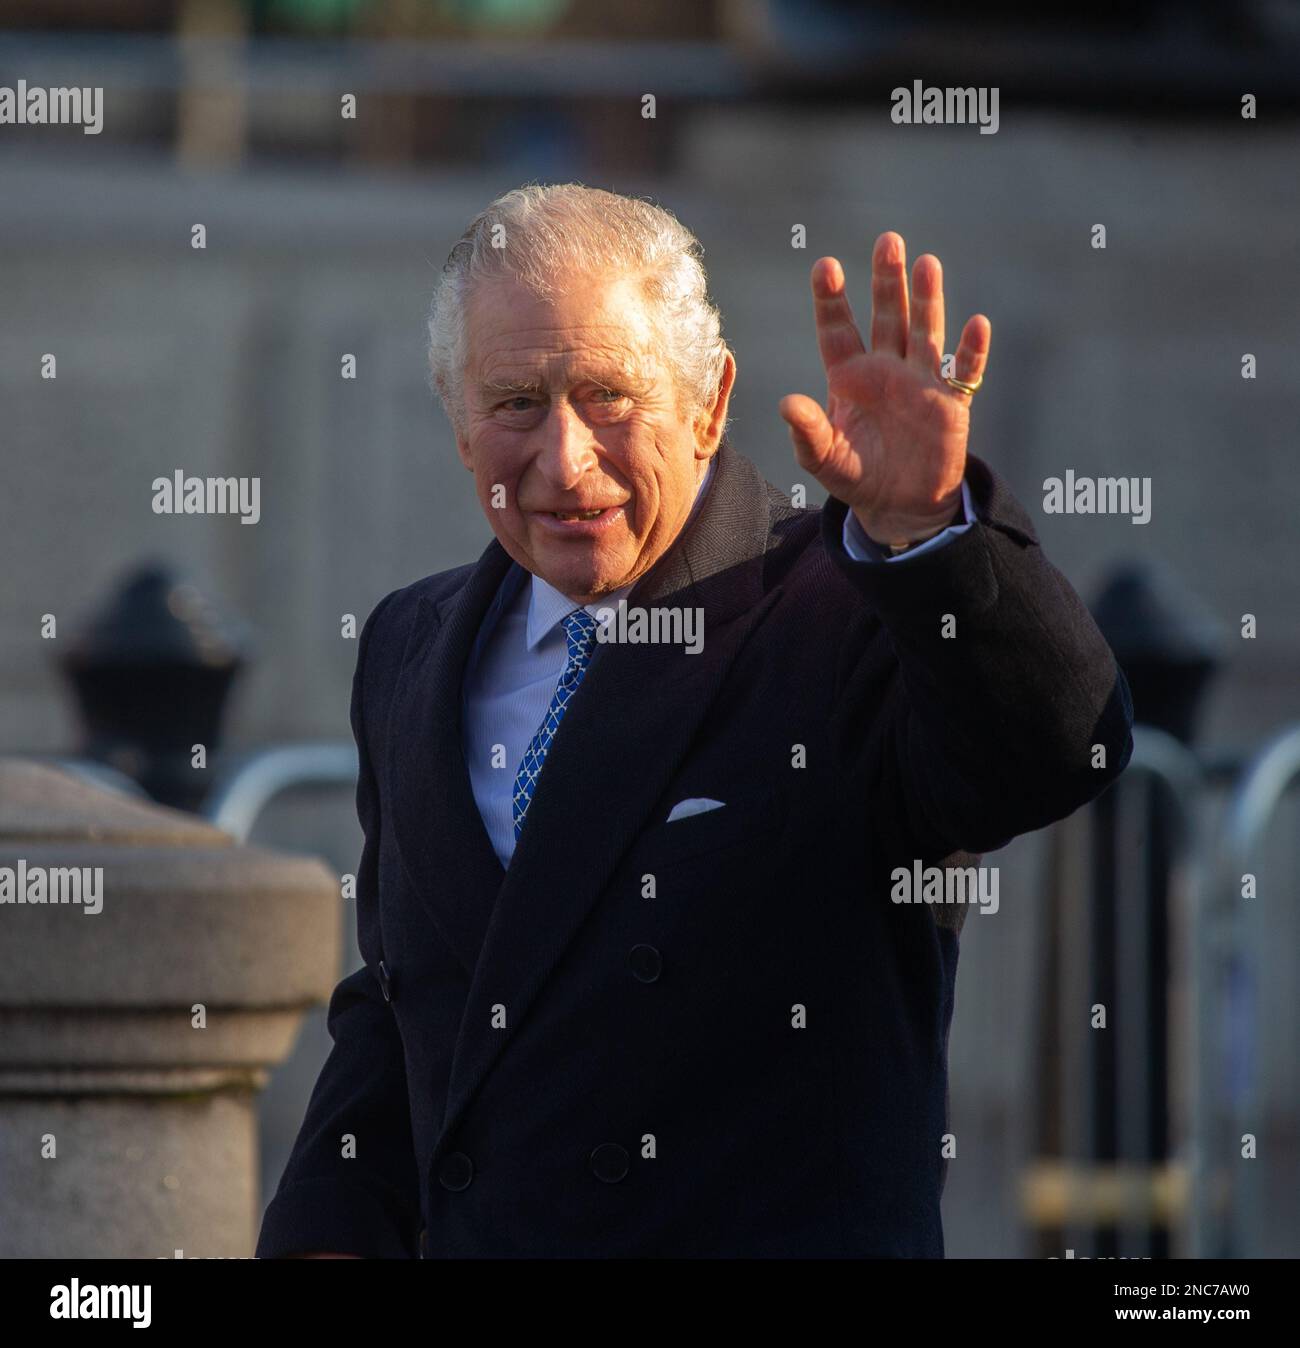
<point x="710" y="422"/>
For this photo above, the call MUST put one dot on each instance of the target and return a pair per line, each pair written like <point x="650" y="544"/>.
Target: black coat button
<point x="455" y="1171"/>
<point x="385" y="982"/>
<point x="647" y="963"/>
<point x="609" y="1162"/>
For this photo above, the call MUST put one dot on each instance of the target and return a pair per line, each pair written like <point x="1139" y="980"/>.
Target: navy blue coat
<point x="544" y="1061"/>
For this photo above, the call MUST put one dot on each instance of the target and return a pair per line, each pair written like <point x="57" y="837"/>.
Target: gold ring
<point x="961" y="386"/>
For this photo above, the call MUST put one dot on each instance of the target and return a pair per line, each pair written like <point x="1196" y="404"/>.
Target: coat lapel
<point x="625" y="733"/>
<point x="440" y="834"/>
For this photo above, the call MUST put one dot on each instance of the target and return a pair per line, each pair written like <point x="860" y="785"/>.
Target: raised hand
<point x="891" y="440"/>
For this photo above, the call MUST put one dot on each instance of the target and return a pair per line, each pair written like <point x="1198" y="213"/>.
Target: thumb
<point x="810" y="430"/>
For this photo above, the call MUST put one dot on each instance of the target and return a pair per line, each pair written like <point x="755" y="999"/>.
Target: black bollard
<point x="151" y="673"/>
<point x="1166" y="642"/>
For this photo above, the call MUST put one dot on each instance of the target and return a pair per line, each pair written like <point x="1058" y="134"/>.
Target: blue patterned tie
<point x="579" y="634"/>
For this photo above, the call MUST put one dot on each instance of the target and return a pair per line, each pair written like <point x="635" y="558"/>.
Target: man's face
<point x="570" y="407"/>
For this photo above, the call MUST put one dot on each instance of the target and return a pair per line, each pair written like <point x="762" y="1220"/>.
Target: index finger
<point x="838" y="337"/>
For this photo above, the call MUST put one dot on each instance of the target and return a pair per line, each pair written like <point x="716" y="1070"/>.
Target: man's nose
<point x="566" y="453"/>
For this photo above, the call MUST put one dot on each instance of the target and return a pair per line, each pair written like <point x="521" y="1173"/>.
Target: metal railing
<point x="1185" y="1032"/>
<point x="1102" y="1172"/>
<point x="1240" y="930"/>
<point x="245" y="790"/>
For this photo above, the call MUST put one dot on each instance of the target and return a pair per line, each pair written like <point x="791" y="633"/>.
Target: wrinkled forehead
<point x="589" y="326"/>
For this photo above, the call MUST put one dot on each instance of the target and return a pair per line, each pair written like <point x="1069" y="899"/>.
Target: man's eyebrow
<point x="511" y="386"/>
<point x="631" y="380"/>
<point x="628" y="380"/>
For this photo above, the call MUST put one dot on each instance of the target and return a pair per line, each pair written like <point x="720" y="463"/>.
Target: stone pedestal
<point x="133" y="1040"/>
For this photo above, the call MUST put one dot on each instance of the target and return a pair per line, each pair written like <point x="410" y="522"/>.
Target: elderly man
<point x="642" y="974"/>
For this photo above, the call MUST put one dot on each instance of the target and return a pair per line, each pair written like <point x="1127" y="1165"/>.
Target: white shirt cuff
<point x="863" y="549"/>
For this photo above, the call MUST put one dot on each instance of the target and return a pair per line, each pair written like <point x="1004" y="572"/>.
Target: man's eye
<point x="512" y="404"/>
<point x="609" y="395"/>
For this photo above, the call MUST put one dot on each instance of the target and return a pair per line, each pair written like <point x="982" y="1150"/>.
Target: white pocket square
<point x="695" y="805"/>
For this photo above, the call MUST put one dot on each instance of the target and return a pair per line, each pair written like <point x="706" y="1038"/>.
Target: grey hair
<point x="543" y="232"/>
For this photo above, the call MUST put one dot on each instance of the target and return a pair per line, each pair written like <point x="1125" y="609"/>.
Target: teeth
<point x="577" y="515"/>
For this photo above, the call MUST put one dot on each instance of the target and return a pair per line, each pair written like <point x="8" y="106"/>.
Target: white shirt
<point x="521" y="652"/>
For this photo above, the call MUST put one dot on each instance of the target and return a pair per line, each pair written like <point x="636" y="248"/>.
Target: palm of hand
<point x="895" y="436"/>
<point x="891" y="441"/>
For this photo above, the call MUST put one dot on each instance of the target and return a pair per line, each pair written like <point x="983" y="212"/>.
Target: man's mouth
<point x="582" y="524"/>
